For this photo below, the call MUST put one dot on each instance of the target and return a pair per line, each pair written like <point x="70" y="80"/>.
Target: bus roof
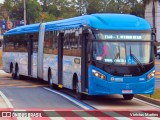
<point x="101" y="21"/>
<point x="32" y="28"/>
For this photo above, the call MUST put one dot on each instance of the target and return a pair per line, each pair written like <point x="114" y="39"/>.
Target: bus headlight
<point x="150" y="75"/>
<point x="98" y="74"/>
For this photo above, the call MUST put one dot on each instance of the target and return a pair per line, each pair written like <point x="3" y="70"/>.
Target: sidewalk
<point x="148" y="99"/>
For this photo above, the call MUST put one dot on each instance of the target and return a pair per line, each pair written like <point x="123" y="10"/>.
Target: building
<point x="149" y="17"/>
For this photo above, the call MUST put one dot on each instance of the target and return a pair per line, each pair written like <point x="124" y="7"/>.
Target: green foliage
<point x="48" y="10"/>
<point x="156" y="94"/>
<point x="17" y="11"/>
<point x="33" y="11"/>
<point x="45" y="16"/>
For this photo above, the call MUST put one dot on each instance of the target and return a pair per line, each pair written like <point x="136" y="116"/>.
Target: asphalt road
<point x="31" y="94"/>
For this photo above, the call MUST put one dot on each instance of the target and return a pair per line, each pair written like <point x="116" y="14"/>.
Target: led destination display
<point x="123" y="37"/>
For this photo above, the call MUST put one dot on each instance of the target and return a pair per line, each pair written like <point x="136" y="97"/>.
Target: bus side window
<point x="35" y="43"/>
<point x="79" y="44"/>
<point x="48" y="41"/>
<point x="55" y="42"/>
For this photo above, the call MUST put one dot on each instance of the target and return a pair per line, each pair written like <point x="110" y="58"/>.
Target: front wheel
<point x="17" y="75"/>
<point x="128" y="96"/>
<point x="79" y="95"/>
<point x="50" y="80"/>
<point x="13" y="74"/>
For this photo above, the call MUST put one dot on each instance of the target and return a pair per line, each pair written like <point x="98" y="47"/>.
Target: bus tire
<point x="17" y="75"/>
<point x="50" y="80"/>
<point x="79" y="95"/>
<point x="12" y="72"/>
<point x="128" y="96"/>
<point x="74" y="81"/>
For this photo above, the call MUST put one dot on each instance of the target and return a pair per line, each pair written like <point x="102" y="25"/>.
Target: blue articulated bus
<point x="97" y="54"/>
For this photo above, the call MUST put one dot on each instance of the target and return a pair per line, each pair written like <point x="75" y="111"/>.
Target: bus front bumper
<point x="103" y="87"/>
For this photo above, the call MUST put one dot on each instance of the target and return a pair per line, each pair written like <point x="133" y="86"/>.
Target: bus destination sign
<point x="122" y="37"/>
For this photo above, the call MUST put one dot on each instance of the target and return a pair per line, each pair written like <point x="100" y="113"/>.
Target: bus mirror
<point x="155" y="48"/>
<point x="153" y="37"/>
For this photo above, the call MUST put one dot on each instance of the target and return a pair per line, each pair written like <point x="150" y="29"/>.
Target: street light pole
<point x="153" y="15"/>
<point x="24" y="12"/>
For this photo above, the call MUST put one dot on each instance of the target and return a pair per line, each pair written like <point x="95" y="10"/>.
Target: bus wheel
<point x="50" y="80"/>
<point x="13" y="74"/>
<point x="75" y="79"/>
<point x="128" y="96"/>
<point x="79" y="95"/>
<point x="17" y="75"/>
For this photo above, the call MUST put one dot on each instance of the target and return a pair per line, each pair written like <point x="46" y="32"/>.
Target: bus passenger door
<point x="30" y="54"/>
<point x="60" y="59"/>
<point x="84" y="63"/>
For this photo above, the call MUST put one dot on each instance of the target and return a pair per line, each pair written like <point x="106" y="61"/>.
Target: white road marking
<point x="6" y="100"/>
<point x="54" y="113"/>
<point x="2" y="72"/>
<point x="120" y="117"/>
<point x="69" y="98"/>
<point x="147" y="103"/>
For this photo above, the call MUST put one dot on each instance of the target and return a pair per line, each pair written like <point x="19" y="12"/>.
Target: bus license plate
<point x="127" y="91"/>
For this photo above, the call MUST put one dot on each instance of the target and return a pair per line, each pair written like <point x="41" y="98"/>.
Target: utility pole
<point x="153" y="15"/>
<point x="24" y="12"/>
<point x="82" y="7"/>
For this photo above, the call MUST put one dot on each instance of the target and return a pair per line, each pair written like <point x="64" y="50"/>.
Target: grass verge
<point x="156" y="94"/>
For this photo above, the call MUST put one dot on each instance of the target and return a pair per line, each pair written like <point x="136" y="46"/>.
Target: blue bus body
<point x="97" y="21"/>
<point x="137" y="85"/>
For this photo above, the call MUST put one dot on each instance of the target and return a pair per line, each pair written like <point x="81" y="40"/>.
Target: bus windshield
<point x="112" y="50"/>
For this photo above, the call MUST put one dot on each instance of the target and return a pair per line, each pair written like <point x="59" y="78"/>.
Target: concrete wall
<point x="158" y="22"/>
<point x="148" y="17"/>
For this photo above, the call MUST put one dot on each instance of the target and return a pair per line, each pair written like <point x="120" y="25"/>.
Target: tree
<point x="33" y="11"/>
<point x="59" y="8"/>
<point x="6" y="8"/>
<point x="94" y="6"/>
<point x="17" y="11"/>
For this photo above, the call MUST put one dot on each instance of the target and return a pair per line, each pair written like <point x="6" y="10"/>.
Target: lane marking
<point x="147" y="103"/>
<point x="120" y="117"/>
<point x="6" y="100"/>
<point x="32" y="86"/>
<point x="2" y="72"/>
<point x="73" y="100"/>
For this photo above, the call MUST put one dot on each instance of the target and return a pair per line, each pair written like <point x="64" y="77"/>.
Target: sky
<point x="1" y="1"/>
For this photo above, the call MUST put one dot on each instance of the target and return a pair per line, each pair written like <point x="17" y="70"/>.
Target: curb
<point x="148" y="99"/>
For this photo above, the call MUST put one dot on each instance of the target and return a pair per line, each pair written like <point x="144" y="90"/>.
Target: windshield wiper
<point x="137" y="61"/>
<point x="115" y="58"/>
